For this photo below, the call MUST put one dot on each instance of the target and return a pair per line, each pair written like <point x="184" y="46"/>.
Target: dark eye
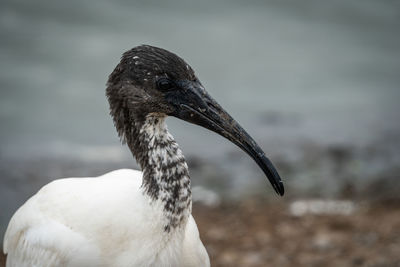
<point x="165" y="84"/>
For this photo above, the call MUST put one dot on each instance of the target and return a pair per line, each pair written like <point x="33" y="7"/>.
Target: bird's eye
<point x="165" y="84"/>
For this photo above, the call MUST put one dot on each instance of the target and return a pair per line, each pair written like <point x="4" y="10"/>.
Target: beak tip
<point x="280" y="189"/>
<point x="273" y="176"/>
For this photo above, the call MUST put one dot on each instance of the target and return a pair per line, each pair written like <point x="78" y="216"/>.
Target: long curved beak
<point x="193" y="104"/>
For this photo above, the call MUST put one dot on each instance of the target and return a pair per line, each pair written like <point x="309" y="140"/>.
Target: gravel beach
<point x="254" y="233"/>
<point x="258" y="233"/>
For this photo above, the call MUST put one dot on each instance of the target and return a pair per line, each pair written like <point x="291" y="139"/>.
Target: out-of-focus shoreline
<point x="256" y="232"/>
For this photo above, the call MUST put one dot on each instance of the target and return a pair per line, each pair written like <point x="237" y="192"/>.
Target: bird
<point x="129" y="217"/>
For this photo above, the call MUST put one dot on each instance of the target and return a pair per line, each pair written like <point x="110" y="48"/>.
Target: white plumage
<point x="102" y="221"/>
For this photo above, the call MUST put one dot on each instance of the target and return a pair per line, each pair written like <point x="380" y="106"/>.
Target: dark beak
<point x="193" y="104"/>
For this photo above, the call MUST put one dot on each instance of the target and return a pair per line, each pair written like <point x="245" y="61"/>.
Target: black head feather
<point x="132" y="87"/>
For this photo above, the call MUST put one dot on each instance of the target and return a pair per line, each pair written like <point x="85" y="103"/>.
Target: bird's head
<point x="151" y="80"/>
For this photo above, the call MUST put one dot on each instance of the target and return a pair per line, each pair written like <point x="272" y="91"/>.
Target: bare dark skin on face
<point x="151" y="80"/>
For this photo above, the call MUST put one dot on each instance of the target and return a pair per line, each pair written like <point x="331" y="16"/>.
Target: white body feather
<point x="104" y="221"/>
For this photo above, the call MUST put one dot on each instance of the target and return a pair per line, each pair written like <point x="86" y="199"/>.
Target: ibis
<point x="126" y="217"/>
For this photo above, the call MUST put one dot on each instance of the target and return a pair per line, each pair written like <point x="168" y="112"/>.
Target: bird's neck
<point x="165" y="172"/>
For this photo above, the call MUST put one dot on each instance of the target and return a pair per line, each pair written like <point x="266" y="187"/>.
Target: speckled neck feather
<point x="134" y="102"/>
<point x="165" y="172"/>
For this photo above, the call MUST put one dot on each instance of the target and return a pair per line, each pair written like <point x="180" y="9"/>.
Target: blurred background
<point x="316" y="83"/>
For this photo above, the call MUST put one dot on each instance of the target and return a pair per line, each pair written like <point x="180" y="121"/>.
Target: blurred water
<point x="315" y="82"/>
